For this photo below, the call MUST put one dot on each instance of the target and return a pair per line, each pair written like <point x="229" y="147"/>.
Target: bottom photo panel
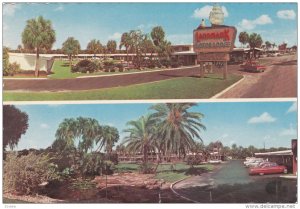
<point x="206" y="152"/>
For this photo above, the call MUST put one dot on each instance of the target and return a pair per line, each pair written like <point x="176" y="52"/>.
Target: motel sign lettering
<point x="214" y="39"/>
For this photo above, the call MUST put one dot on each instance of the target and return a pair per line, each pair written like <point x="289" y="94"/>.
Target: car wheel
<point x="261" y="174"/>
<point x="285" y="171"/>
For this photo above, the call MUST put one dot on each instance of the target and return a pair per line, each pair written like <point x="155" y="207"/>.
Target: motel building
<point x="184" y="53"/>
<point x="287" y="158"/>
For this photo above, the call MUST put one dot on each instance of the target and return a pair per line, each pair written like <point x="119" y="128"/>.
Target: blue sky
<point x="243" y="123"/>
<point x="276" y="22"/>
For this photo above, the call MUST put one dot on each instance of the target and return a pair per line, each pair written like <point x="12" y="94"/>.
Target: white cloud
<point x="251" y="24"/>
<point x="115" y="36"/>
<point x="59" y="8"/>
<point x="9" y="9"/>
<point x="44" y="126"/>
<point x="263" y="118"/>
<point x="293" y="108"/>
<point x="291" y="131"/>
<point x="203" y="12"/>
<point x="286" y="14"/>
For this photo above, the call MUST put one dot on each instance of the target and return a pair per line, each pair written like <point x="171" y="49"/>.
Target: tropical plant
<point x="126" y="42"/>
<point x="136" y="44"/>
<point x="243" y="38"/>
<point x="158" y="35"/>
<point x="24" y="174"/>
<point x="255" y="41"/>
<point x="38" y="35"/>
<point x="15" y="124"/>
<point x="71" y="48"/>
<point x="141" y="136"/>
<point x="111" y="46"/>
<point x="110" y="136"/>
<point x="177" y="127"/>
<point x="94" y="47"/>
<point x="80" y="133"/>
<point x="268" y="45"/>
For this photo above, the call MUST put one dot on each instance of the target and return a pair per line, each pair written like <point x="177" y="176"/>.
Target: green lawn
<point x="61" y="70"/>
<point x="165" y="171"/>
<point x="177" y="88"/>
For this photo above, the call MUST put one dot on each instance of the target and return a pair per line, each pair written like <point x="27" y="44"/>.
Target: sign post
<point x="213" y="44"/>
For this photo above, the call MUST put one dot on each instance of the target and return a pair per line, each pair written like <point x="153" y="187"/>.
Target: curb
<point x="228" y="88"/>
<point x="149" y="71"/>
<point x="25" y="78"/>
<point x="179" y="195"/>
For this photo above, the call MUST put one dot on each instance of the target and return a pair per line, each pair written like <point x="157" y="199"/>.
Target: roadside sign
<point x="214" y="39"/>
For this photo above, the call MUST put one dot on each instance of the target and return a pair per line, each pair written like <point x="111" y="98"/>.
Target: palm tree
<point x="255" y="40"/>
<point x="243" y="38"/>
<point x="84" y="130"/>
<point x="177" y="127"/>
<point x="110" y="136"/>
<point x="94" y="47"/>
<point x="268" y="45"/>
<point x="141" y="136"/>
<point x="126" y="42"/>
<point x="157" y="35"/>
<point x="71" y="48"/>
<point x="38" y="35"/>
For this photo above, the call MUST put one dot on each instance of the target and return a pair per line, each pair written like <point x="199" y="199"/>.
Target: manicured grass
<point x="177" y="88"/>
<point x="62" y="70"/>
<point x="168" y="172"/>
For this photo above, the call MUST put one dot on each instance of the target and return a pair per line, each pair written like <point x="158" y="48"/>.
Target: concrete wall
<point x="27" y="61"/>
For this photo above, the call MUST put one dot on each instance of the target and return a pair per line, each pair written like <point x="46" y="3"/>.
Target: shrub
<point x="194" y="160"/>
<point x="165" y="62"/>
<point x="120" y="67"/>
<point x="85" y="66"/>
<point x="24" y="174"/>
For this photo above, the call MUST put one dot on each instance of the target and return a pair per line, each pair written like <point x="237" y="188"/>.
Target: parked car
<point x="253" y="161"/>
<point x="253" y="66"/>
<point x="268" y="168"/>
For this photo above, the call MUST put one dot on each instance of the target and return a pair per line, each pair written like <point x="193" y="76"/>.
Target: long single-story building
<point x="28" y="61"/>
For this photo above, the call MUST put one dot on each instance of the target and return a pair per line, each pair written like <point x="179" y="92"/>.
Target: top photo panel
<point x="143" y="51"/>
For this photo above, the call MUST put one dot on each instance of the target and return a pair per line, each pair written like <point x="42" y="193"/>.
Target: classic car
<point x="268" y="168"/>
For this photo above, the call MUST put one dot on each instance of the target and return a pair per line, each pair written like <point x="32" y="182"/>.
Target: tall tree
<point x="268" y="45"/>
<point x="71" y="48"/>
<point x="255" y="41"/>
<point x="126" y="42"/>
<point x="80" y="134"/>
<point x="94" y="47"/>
<point x="243" y="38"/>
<point x="158" y="35"/>
<point x="178" y="128"/>
<point x="110" y="135"/>
<point x="15" y="124"/>
<point x="38" y="35"/>
<point x="141" y="136"/>
<point x="148" y="46"/>
<point x="111" y="46"/>
<point x="136" y="44"/>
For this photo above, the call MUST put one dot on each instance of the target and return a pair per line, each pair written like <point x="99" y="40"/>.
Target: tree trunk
<point x="37" y="64"/>
<point x="145" y="154"/>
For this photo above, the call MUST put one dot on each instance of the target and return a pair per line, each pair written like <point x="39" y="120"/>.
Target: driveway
<point x="231" y="184"/>
<point x="279" y="80"/>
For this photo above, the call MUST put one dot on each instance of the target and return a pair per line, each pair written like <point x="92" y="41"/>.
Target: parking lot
<point x="231" y="183"/>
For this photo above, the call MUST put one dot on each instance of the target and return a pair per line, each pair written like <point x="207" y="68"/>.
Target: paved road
<point x="231" y="184"/>
<point x="96" y="82"/>
<point x="279" y="80"/>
